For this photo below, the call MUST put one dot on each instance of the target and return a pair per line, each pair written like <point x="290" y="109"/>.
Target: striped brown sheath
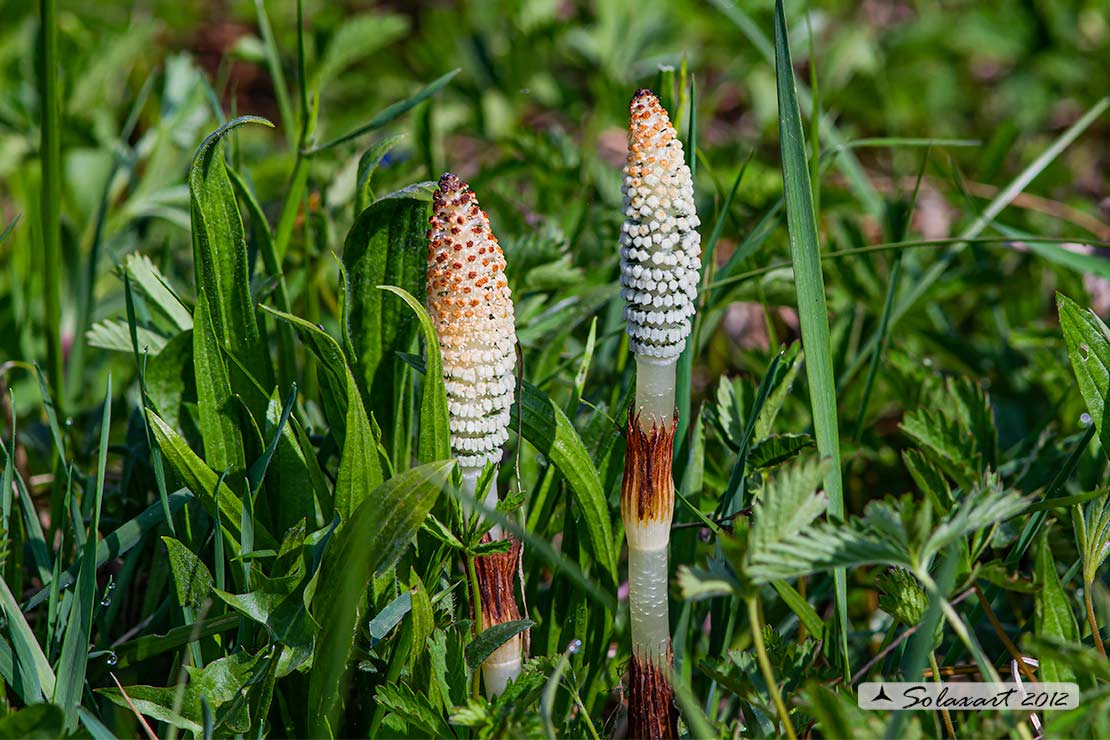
<point x="496" y="585"/>
<point x="647" y="505"/>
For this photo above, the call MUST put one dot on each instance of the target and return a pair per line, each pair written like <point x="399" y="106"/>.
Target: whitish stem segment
<point x="655" y="390"/>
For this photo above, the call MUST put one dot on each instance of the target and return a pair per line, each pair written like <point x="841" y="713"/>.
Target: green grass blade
<point x="391" y="113"/>
<point x="805" y="254"/>
<point x="371" y="539"/>
<point x="75" y="644"/>
<point x="39" y="680"/>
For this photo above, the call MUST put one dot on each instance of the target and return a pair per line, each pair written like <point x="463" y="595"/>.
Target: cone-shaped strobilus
<point x="472" y="309"/>
<point x="660" y="261"/>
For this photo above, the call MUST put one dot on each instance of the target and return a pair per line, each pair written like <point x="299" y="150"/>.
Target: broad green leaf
<point x="423" y="618"/>
<point x="549" y="430"/>
<point x="169" y="379"/>
<point x="190" y="576"/>
<point x="142" y="648"/>
<point x="69" y="690"/>
<point x="219" y="413"/>
<point x="1088" y="341"/>
<point x="294" y="481"/>
<point x="488" y="640"/>
<point x="36" y="722"/>
<point x="385" y="246"/>
<point x="220" y="253"/>
<point x="435" y="432"/>
<point x="200" y="479"/>
<point x="809" y="284"/>
<point x="359" y="467"/>
<point x="1053" y="617"/>
<point x="946" y="444"/>
<point x="370" y="540"/>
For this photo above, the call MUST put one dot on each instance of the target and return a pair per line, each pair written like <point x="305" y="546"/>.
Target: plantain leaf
<point x="385" y="246"/>
<point x="200" y="479"/>
<point x="435" y="431"/>
<point x="220" y="253"/>
<point x="549" y="430"/>
<point x="369" y="541"/>
<point x="218" y="411"/>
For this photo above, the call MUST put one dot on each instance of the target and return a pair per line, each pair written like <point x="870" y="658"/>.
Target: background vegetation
<point x="184" y="474"/>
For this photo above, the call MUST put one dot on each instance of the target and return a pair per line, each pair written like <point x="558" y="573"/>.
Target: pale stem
<point x="647" y="603"/>
<point x="655" y="391"/>
<point x="502" y="666"/>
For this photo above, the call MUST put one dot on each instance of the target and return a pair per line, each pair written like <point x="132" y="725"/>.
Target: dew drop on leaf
<point x="1085" y="419"/>
<point x="112" y="659"/>
<point x="574" y="647"/>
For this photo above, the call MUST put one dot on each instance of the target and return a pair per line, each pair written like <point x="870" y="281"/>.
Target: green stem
<point x="756" y="623"/>
<point x="1091" y="618"/>
<point x="51" y="205"/>
<point x="476" y="603"/>
<point x="936" y="679"/>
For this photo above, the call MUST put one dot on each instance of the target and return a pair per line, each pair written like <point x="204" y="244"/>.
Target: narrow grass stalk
<point x="660" y="258"/>
<point x="1092" y="619"/>
<point x="50" y="211"/>
<point x="471" y="307"/>
<point x="765" y="667"/>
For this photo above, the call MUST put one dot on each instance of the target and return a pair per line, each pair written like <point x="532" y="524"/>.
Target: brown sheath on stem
<point x="647" y="491"/>
<point x="651" y="709"/>
<point x="647" y="500"/>
<point x="496" y="584"/>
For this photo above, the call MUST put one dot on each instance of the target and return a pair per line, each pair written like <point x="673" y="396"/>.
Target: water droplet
<point x="574" y="647"/>
<point x="112" y="659"/>
<point x="927" y="362"/>
<point x="1085" y="420"/>
<point x="69" y="422"/>
<point x="1084" y="351"/>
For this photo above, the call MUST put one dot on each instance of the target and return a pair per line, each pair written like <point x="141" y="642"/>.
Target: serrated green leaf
<point x="156" y="287"/>
<point x="115" y="335"/>
<point x="414" y="709"/>
<point x="777" y="449"/>
<point x="371" y="539"/>
<point x="1053" y="617"/>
